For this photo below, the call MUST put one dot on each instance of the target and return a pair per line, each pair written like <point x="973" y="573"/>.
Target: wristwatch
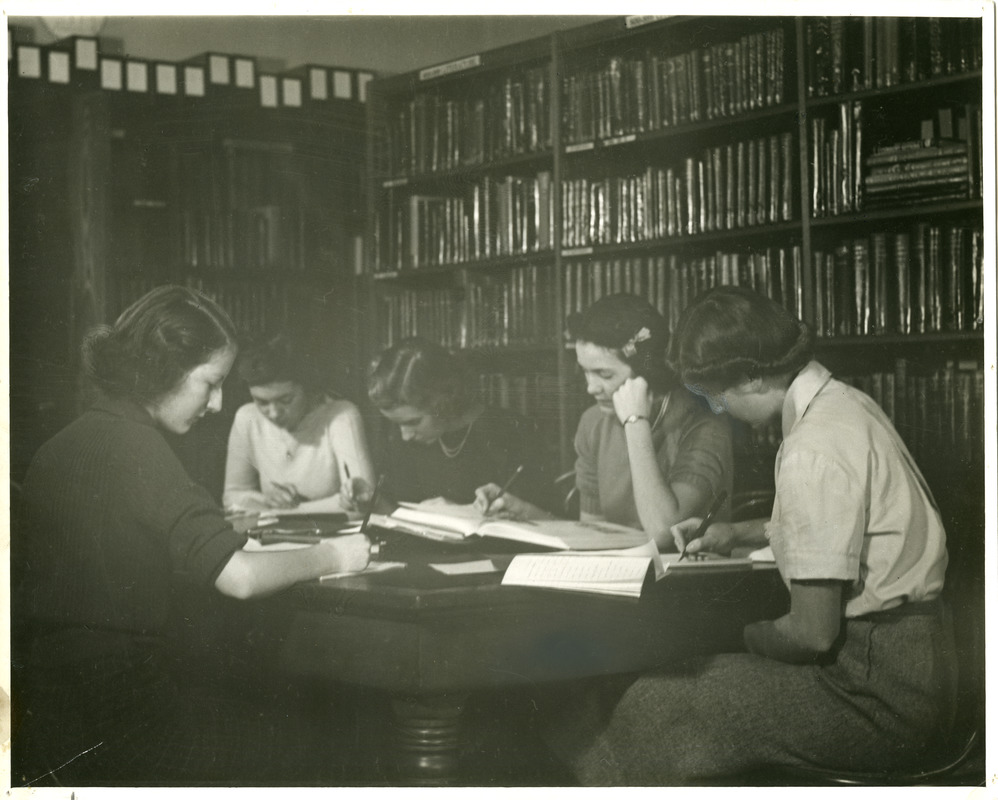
<point x="634" y="418"/>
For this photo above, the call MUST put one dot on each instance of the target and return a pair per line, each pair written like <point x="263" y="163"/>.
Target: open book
<point x="617" y="572"/>
<point x="454" y="523"/>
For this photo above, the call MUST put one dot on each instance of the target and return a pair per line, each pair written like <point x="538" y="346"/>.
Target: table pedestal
<point x="427" y="738"/>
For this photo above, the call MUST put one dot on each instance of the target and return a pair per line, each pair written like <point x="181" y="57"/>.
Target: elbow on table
<point x="237" y="578"/>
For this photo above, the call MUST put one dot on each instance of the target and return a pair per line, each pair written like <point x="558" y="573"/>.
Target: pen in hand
<point x="707" y="520"/>
<point x="504" y="487"/>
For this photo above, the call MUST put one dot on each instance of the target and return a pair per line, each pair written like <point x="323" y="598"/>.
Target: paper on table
<point x="374" y="566"/>
<point x="763" y="554"/>
<point x="621" y="575"/>
<point x="466" y="567"/>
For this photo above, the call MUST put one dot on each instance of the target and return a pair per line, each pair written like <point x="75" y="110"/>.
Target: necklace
<point x="453" y="452"/>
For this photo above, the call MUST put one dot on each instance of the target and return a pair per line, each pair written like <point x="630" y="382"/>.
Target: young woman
<point x="860" y="673"/>
<point x="445" y="442"/>
<point x="293" y="446"/>
<point x="113" y="528"/>
<point x="647" y="453"/>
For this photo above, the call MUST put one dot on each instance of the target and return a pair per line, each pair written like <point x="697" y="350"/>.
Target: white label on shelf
<point x="363" y="78"/>
<point x="291" y="91"/>
<point x="268" y="91"/>
<point x="392" y="182"/>
<point x="29" y="62"/>
<point x="577" y="251"/>
<point x="627" y="137"/>
<point x="110" y="73"/>
<point x="378" y="276"/>
<point x="317" y="88"/>
<point x="194" y="81"/>
<point x="244" y="73"/>
<point x="166" y="78"/>
<point x="218" y="69"/>
<point x="136" y="77"/>
<point x="86" y="54"/>
<point x="140" y="203"/>
<point x="578" y="148"/>
<point x="451" y="66"/>
<point x="637" y="20"/>
<point x="342" y="89"/>
<point x="58" y="67"/>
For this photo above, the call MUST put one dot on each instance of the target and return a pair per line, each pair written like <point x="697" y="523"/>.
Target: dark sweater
<point x="499" y="441"/>
<point x="111" y="521"/>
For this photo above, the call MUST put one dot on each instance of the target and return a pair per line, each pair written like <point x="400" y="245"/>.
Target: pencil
<point x="700" y="531"/>
<point x="504" y="487"/>
<point x="374" y="499"/>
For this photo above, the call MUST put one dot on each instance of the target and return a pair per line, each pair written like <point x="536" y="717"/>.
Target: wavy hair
<point x="276" y="358"/>
<point x="417" y="372"/>
<point x="634" y="330"/>
<point x="155" y="343"/>
<point x="730" y="334"/>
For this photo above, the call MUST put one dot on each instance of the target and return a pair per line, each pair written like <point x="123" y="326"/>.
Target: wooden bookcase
<point x="127" y="174"/>
<point x="661" y="156"/>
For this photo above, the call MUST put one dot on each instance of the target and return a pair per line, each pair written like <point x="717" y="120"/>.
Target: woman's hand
<point x="353" y="551"/>
<point x="720" y="537"/>
<point x="488" y="501"/>
<point x="633" y="397"/>
<point x="281" y="495"/>
<point x="356" y="494"/>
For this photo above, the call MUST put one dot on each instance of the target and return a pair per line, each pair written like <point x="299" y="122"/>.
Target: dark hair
<point x="275" y="358"/>
<point x="417" y="372"/>
<point x="633" y="328"/>
<point x="730" y="334"/>
<point x="156" y="342"/>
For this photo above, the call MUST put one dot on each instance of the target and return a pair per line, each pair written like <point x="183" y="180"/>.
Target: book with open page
<point x="455" y="523"/>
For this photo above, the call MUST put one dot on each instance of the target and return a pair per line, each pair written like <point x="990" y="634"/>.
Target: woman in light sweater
<point x="293" y="446"/>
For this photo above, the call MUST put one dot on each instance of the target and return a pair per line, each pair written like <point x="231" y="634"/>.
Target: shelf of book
<point x="833" y="164"/>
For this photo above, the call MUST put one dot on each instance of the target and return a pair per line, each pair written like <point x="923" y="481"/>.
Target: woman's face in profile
<point x="284" y="403"/>
<point x="197" y="394"/>
<point x="415" y="424"/>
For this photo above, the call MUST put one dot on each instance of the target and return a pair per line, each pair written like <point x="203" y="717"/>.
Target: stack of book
<point x="920" y="171"/>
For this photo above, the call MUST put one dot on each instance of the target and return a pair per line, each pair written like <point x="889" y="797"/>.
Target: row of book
<point x="493" y="217"/>
<point x="253" y="307"/>
<point x="849" y="54"/>
<point x="944" y="164"/>
<point x="626" y="95"/>
<point x="727" y="187"/>
<point x="933" y="410"/>
<point x="259" y="208"/>
<point x="432" y="132"/>
<point x="671" y="282"/>
<point x="534" y="395"/>
<point x="435" y="314"/>
<point x="510" y="309"/>
<point x="927" y="279"/>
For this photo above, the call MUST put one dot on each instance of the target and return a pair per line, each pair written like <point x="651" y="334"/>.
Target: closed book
<point x="902" y="270"/>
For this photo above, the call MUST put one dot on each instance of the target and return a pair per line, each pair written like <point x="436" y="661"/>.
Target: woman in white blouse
<point x="293" y="446"/>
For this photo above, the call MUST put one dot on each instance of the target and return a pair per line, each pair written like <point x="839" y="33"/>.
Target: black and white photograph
<point x="530" y="398"/>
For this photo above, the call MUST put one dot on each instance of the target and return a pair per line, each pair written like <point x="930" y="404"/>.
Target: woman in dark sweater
<point x="444" y="441"/>
<point x="113" y="526"/>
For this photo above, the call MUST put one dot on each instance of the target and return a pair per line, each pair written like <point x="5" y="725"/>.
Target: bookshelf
<point x="128" y="173"/>
<point x="787" y="154"/>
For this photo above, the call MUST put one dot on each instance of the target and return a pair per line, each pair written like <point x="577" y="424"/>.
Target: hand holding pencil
<point x="691" y="534"/>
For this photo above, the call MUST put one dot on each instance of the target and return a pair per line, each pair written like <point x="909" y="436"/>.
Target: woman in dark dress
<point x="445" y="442"/>
<point x="113" y="527"/>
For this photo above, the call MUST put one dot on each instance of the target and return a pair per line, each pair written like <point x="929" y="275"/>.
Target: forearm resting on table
<point x="249" y="575"/>
<point x="810" y="629"/>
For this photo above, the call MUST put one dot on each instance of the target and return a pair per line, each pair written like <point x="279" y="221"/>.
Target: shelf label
<point x="578" y="148"/>
<point x="393" y="182"/>
<point x="140" y="203"/>
<point x="451" y="66"/>
<point x="637" y="20"/>
<point x="381" y="276"/>
<point x="577" y="251"/>
<point x="627" y="137"/>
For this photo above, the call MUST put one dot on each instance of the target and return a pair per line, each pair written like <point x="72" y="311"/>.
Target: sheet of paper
<point x="374" y="566"/>
<point x="466" y="567"/>
<point x="563" y="568"/>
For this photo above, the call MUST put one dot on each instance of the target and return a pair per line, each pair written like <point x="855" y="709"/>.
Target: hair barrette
<point x="630" y="347"/>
